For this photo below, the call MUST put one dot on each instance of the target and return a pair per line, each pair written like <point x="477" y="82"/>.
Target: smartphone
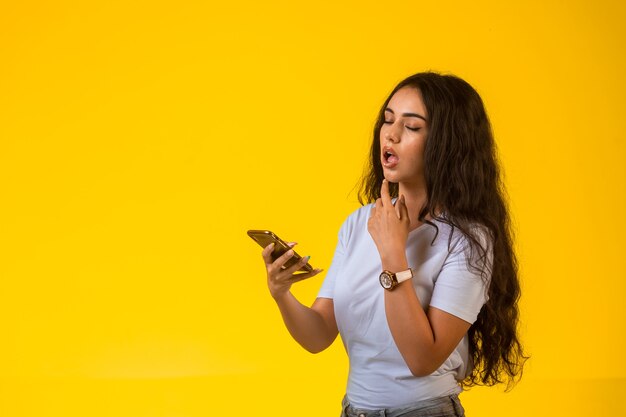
<point x="265" y="237"/>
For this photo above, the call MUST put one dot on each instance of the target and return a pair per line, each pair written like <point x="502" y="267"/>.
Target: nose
<point x="391" y="135"/>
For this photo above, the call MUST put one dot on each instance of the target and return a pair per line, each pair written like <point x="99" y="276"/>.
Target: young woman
<point x="423" y="286"/>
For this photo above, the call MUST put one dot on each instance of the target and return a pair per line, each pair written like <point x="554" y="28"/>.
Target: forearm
<point x="409" y="324"/>
<point x="411" y="330"/>
<point x="307" y="326"/>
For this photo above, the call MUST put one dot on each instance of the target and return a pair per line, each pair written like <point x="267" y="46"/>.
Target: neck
<point x="415" y="198"/>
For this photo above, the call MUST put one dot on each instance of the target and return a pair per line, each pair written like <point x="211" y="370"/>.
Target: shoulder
<point x="360" y="214"/>
<point x="474" y="249"/>
<point x="356" y="222"/>
<point x="481" y="235"/>
<point x="459" y="239"/>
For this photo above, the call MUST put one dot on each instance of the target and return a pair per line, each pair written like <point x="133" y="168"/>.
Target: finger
<point x="300" y="277"/>
<point x="267" y="251"/>
<point x="404" y="211"/>
<point x="379" y="204"/>
<point x="384" y="193"/>
<point x="398" y="207"/>
<point x="282" y="259"/>
<point x="295" y="267"/>
<point x="292" y="244"/>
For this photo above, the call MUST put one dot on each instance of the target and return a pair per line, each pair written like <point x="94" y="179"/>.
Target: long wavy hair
<point x="464" y="189"/>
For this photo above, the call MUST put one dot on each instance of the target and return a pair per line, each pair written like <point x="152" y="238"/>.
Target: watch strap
<point x="404" y="275"/>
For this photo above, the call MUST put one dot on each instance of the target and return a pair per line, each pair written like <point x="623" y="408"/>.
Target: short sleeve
<point x="459" y="290"/>
<point x="328" y="286"/>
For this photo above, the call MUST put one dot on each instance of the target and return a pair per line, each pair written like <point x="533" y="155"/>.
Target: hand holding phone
<point x="280" y="280"/>
<point x="265" y="237"/>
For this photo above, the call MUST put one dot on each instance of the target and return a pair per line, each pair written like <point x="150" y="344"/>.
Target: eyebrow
<point x="407" y="114"/>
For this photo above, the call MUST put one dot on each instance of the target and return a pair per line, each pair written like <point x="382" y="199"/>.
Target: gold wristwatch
<point x="389" y="280"/>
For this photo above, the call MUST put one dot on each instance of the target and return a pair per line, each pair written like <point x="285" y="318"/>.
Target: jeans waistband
<point x="440" y="406"/>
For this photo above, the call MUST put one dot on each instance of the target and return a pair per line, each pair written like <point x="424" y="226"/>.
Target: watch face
<point x="385" y="280"/>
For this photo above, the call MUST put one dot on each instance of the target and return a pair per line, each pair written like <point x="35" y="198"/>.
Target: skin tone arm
<point x="314" y="328"/>
<point x="424" y="338"/>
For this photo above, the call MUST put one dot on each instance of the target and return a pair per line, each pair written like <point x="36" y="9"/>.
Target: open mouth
<point x="389" y="158"/>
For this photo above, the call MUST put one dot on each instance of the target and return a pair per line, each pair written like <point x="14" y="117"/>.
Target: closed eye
<point x="414" y="129"/>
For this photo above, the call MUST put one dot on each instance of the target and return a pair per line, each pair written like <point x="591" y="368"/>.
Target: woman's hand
<point x="279" y="280"/>
<point x="389" y="225"/>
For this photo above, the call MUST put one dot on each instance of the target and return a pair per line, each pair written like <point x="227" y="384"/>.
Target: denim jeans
<point x="448" y="406"/>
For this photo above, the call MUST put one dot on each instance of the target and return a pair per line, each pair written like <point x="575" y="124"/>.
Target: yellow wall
<point x="140" y="141"/>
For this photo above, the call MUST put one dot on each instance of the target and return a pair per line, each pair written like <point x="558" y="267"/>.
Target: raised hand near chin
<point x="389" y="224"/>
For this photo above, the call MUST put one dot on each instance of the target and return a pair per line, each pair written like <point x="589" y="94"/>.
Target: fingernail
<point x="306" y="259"/>
<point x="271" y="245"/>
<point x="290" y="252"/>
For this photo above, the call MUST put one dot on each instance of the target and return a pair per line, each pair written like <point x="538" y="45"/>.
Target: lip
<point x="383" y="158"/>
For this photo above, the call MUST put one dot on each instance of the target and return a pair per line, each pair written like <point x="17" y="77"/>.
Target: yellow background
<point x="140" y="140"/>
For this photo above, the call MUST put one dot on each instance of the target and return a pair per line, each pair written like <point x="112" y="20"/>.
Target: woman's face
<point x="403" y="138"/>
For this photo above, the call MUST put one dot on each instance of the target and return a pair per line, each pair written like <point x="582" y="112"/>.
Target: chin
<point x="391" y="177"/>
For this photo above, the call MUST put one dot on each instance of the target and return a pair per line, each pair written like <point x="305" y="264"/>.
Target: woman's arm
<point x="424" y="338"/>
<point x="314" y="328"/>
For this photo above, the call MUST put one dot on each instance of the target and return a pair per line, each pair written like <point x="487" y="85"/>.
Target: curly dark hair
<point x="463" y="184"/>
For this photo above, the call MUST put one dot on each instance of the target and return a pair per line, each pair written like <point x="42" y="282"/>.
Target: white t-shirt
<point x="379" y="377"/>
